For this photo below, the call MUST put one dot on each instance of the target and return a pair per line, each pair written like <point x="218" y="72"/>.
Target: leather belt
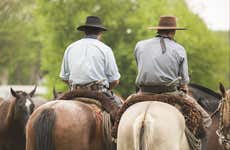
<point x="158" y="89"/>
<point x="93" y="87"/>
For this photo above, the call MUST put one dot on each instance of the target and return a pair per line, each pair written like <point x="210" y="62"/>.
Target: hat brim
<point x="166" y="28"/>
<point x="84" y="27"/>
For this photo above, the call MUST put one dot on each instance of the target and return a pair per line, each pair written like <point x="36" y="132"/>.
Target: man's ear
<point x="222" y="89"/>
<point x="33" y="91"/>
<point x="13" y="93"/>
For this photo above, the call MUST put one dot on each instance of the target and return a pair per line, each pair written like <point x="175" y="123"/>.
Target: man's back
<point x="87" y="60"/>
<point x="156" y="67"/>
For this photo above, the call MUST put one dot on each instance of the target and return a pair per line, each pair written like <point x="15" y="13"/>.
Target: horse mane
<point x="105" y="101"/>
<point x="207" y="90"/>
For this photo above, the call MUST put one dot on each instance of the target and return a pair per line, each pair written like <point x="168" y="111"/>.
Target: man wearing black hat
<point x="162" y="62"/>
<point x="90" y="63"/>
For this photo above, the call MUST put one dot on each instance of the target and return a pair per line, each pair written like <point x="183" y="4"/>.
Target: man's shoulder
<point x="178" y="46"/>
<point x="102" y="45"/>
<point x="73" y="44"/>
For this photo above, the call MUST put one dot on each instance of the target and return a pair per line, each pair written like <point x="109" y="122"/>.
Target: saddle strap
<point x="194" y="143"/>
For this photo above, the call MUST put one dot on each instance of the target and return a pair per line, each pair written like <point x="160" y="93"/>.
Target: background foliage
<point x="49" y="26"/>
<point x="19" y="49"/>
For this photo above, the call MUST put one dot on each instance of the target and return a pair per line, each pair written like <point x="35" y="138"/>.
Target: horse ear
<point x="54" y="92"/>
<point x="32" y="92"/>
<point x="13" y="93"/>
<point x="222" y="89"/>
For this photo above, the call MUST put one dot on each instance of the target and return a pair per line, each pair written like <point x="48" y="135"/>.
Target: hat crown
<point x="167" y="21"/>
<point x="93" y="20"/>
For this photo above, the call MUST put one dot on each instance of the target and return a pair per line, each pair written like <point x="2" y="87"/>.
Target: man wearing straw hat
<point x="90" y="64"/>
<point x="161" y="62"/>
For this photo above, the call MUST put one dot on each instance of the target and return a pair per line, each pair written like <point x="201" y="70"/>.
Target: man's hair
<point x="92" y="30"/>
<point x="165" y="31"/>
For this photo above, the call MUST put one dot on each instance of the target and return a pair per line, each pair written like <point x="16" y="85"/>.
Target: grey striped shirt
<point x="156" y="68"/>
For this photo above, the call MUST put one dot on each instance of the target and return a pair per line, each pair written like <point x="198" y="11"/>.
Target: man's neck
<point x="91" y="36"/>
<point x="167" y="35"/>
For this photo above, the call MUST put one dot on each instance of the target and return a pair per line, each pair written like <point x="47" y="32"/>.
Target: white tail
<point x="143" y="130"/>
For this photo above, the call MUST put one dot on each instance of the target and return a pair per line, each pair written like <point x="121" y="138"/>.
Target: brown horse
<point x="66" y="125"/>
<point x="209" y="100"/>
<point x="14" y="114"/>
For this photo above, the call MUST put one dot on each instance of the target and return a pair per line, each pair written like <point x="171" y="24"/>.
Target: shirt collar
<point x="91" y="36"/>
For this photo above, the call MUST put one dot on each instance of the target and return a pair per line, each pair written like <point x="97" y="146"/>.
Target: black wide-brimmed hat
<point x="166" y="23"/>
<point x="92" y="22"/>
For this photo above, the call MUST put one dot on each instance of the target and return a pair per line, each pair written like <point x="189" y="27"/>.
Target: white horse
<point x="152" y="125"/>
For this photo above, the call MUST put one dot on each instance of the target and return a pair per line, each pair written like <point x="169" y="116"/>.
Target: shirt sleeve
<point x="65" y="71"/>
<point x="184" y="69"/>
<point x="111" y="69"/>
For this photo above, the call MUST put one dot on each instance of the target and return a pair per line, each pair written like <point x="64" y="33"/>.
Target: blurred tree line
<point x="19" y="49"/>
<point x="40" y="31"/>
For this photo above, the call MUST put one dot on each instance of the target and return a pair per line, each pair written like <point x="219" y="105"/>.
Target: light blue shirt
<point x="89" y="60"/>
<point x="157" y="68"/>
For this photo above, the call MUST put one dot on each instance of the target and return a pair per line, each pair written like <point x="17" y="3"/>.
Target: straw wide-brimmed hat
<point x="167" y="23"/>
<point x="92" y="22"/>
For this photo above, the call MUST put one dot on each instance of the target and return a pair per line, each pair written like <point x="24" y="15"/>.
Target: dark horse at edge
<point x="14" y="114"/>
<point x="209" y="100"/>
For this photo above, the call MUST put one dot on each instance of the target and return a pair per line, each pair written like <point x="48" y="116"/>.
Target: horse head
<point x="224" y="120"/>
<point x="224" y="92"/>
<point x="24" y="105"/>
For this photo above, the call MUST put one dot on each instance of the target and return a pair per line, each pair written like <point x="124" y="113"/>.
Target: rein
<point x="217" y="109"/>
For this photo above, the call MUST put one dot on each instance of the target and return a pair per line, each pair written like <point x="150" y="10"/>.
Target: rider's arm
<point x="111" y="69"/>
<point x="184" y="69"/>
<point x="65" y="71"/>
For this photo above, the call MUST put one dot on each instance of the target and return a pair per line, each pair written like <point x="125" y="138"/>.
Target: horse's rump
<point x="192" y="116"/>
<point x="73" y="124"/>
<point x="148" y="125"/>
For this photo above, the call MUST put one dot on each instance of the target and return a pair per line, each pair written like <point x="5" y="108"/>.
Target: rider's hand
<point x="184" y="88"/>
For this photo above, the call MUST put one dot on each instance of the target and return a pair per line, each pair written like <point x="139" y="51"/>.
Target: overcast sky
<point x="215" y="13"/>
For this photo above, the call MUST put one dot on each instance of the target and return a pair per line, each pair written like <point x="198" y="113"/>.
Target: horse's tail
<point x="43" y="127"/>
<point x="143" y="130"/>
